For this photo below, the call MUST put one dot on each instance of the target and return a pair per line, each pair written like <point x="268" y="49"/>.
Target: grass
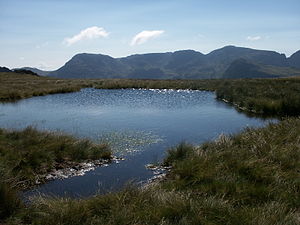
<point x="247" y="178"/>
<point x="272" y="97"/>
<point x="26" y="156"/>
<point x="255" y="167"/>
<point x="14" y="86"/>
<point x="29" y="153"/>
<point x="269" y="97"/>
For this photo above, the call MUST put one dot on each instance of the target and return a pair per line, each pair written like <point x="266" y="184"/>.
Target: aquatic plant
<point x="128" y="141"/>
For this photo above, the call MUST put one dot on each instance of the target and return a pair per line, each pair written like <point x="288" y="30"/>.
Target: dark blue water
<point x="140" y="125"/>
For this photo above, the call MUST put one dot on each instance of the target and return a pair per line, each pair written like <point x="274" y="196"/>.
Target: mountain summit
<point x="226" y="62"/>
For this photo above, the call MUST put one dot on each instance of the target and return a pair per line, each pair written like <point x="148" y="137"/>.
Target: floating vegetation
<point x="129" y="141"/>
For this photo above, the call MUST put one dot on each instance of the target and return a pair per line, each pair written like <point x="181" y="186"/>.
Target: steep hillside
<point x="294" y="60"/>
<point x="241" y="68"/>
<point x="185" y="64"/>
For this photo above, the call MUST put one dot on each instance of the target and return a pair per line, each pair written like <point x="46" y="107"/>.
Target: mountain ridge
<point x="182" y="64"/>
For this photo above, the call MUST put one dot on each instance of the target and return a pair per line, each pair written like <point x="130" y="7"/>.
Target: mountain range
<point x="226" y="62"/>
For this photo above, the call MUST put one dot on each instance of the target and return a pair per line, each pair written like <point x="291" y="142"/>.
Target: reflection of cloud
<point x="144" y="36"/>
<point x="253" y="38"/>
<point x="88" y="33"/>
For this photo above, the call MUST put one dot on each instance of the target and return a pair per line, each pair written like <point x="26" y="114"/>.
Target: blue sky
<point x="47" y="33"/>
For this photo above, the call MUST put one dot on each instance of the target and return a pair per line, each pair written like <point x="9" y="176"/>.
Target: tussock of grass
<point x="255" y="167"/>
<point x="28" y="153"/>
<point x="9" y="199"/>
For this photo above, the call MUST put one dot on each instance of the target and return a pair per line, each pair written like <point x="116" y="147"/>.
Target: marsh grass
<point x="10" y="201"/>
<point x="26" y="156"/>
<point x="247" y="178"/>
<point x="270" y="97"/>
<point x="250" y="169"/>
<point x="14" y="86"/>
<point x="29" y="153"/>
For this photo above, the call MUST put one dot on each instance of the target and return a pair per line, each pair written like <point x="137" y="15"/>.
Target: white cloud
<point x="253" y="38"/>
<point x="144" y="36"/>
<point x="88" y="33"/>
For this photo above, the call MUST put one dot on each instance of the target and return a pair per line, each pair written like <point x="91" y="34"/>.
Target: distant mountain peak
<point x="182" y="64"/>
<point x="294" y="60"/>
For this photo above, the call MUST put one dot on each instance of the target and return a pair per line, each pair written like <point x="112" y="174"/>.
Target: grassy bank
<point x="27" y="156"/>
<point x="14" y="86"/>
<point x="248" y="178"/>
<point x="29" y="153"/>
<point x="270" y="97"/>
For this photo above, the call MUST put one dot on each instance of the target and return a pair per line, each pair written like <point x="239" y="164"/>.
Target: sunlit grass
<point x="27" y="154"/>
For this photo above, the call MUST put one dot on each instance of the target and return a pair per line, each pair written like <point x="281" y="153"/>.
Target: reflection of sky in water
<point x="136" y="119"/>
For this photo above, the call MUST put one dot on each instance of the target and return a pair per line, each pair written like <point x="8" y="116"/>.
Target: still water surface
<point x="139" y="124"/>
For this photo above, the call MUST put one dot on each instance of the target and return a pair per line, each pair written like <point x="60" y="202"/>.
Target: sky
<point x="47" y="33"/>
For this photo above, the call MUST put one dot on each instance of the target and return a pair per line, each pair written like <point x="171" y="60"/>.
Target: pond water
<point x="139" y="124"/>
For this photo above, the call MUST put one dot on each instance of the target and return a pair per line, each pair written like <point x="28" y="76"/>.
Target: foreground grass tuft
<point x="29" y="153"/>
<point x="9" y="199"/>
<point x="255" y="167"/>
